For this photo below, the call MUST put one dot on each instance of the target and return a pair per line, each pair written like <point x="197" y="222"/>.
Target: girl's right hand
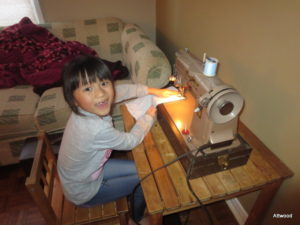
<point x="151" y="111"/>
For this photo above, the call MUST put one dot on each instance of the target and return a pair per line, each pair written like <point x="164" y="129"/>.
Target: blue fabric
<point x="120" y="178"/>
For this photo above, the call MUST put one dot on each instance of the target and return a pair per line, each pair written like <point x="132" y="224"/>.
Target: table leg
<point x="262" y="203"/>
<point x="156" y="219"/>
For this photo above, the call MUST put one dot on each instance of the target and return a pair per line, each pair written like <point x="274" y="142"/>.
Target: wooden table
<point x="166" y="192"/>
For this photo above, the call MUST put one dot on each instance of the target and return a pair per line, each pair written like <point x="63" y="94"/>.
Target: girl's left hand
<point x="165" y="93"/>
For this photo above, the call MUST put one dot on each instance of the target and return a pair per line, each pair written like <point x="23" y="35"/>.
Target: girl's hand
<point x="151" y="111"/>
<point x="162" y="92"/>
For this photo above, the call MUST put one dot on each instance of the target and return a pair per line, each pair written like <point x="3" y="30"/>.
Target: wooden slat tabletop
<point x="175" y="170"/>
<point x="165" y="186"/>
<point x="229" y="181"/>
<point x="256" y="175"/>
<point x="167" y="191"/>
<point x="151" y="193"/>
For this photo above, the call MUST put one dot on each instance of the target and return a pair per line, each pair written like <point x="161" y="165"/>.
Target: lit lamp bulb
<point x="172" y="78"/>
<point x="178" y="124"/>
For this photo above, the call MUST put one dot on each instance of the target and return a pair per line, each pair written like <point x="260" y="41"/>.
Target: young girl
<point x="87" y="174"/>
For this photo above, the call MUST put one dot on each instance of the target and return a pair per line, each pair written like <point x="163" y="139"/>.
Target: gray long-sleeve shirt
<point x="87" y="143"/>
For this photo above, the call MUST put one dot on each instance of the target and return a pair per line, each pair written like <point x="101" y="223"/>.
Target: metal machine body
<point x="218" y="103"/>
<point x="209" y="114"/>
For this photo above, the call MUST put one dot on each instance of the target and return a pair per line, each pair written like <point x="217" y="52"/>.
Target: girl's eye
<point x="87" y="89"/>
<point x="104" y="83"/>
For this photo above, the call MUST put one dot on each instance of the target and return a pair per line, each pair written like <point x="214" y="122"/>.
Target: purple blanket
<point x="30" y="54"/>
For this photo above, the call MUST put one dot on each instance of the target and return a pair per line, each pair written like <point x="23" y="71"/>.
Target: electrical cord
<point x="200" y="149"/>
<point x="152" y="172"/>
<point x="188" y="176"/>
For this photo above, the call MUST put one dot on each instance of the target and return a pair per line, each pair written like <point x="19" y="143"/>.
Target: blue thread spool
<point x="210" y="66"/>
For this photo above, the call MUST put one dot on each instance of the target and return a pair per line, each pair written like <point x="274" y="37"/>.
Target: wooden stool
<point x="45" y="189"/>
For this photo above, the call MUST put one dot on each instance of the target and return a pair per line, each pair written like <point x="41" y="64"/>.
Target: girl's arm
<point x="127" y="91"/>
<point x="162" y="92"/>
<point x="111" y="138"/>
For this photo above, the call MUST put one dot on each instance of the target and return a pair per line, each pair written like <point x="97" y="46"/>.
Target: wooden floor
<point x="17" y="207"/>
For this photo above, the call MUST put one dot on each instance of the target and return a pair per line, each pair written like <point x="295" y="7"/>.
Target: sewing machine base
<point x="214" y="160"/>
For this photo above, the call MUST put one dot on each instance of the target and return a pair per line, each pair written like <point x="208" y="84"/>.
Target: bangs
<point x="89" y="73"/>
<point x="85" y="77"/>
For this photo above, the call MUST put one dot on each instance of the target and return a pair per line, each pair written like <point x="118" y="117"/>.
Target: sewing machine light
<point x="178" y="124"/>
<point x="172" y="78"/>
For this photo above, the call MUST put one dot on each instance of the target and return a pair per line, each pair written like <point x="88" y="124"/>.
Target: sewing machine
<point x="208" y="115"/>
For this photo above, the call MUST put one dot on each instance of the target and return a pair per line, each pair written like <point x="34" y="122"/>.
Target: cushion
<point x="146" y="62"/>
<point x="103" y="35"/>
<point x="17" y="109"/>
<point x="52" y="111"/>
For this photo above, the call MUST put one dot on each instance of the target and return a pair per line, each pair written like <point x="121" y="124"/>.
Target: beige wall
<point x="141" y="12"/>
<point x="258" y="45"/>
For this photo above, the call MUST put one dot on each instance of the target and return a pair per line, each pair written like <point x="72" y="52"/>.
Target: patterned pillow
<point x="146" y="62"/>
<point x="16" y="111"/>
<point x="52" y="112"/>
<point x="103" y="35"/>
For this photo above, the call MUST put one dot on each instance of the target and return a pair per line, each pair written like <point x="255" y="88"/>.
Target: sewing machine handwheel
<point x="225" y="106"/>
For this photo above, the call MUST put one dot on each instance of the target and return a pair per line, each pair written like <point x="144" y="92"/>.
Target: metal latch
<point x="223" y="161"/>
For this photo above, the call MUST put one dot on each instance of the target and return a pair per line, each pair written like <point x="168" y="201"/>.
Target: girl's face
<point x="96" y="97"/>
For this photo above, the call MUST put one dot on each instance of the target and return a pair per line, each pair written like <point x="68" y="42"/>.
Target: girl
<point x="87" y="174"/>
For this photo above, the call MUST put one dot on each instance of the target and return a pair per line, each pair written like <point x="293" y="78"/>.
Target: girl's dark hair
<point x="82" y="69"/>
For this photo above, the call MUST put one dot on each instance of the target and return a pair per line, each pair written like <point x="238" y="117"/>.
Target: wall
<point x="257" y="43"/>
<point x="141" y="12"/>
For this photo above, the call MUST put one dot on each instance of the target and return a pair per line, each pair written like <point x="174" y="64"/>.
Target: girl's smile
<point x="102" y="105"/>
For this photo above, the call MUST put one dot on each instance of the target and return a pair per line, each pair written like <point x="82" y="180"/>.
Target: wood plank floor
<point x="17" y="207"/>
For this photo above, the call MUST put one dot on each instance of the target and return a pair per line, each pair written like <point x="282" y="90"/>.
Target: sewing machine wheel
<point x="225" y="106"/>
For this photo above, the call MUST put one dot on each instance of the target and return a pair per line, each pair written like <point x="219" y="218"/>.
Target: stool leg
<point x="156" y="219"/>
<point x="123" y="217"/>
